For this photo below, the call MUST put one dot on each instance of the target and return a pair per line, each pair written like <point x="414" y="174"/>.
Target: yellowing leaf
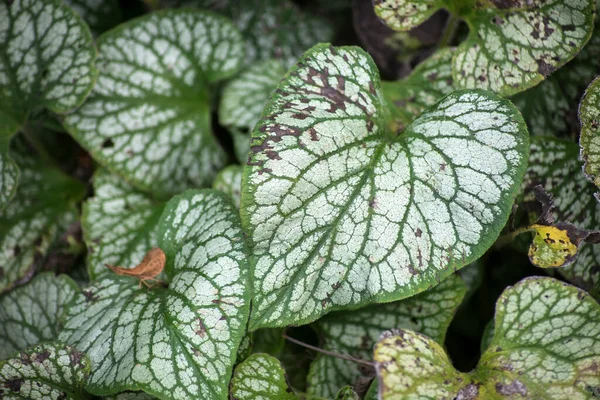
<point x="551" y="247"/>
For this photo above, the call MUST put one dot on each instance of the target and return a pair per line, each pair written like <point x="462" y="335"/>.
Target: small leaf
<point x="47" y="371"/>
<point x="403" y="15"/>
<point x="148" y="117"/>
<point x="260" y="377"/>
<point x="178" y="342"/>
<point x="147" y="270"/>
<point x="426" y="85"/>
<point x="100" y="15"/>
<point x="551" y="246"/>
<point x="511" y="46"/>
<point x="589" y="116"/>
<point x="277" y="29"/>
<point x="32" y="313"/>
<point x="546" y="345"/>
<point x="342" y="213"/>
<point x="549" y="108"/>
<point x="46" y="61"/>
<point x="355" y="333"/>
<point x="554" y="164"/>
<point x="229" y="181"/>
<point x="120" y="224"/>
<point x="43" y="207"/>
<point x="243" y="100"/>
<point x="347" y="393"/>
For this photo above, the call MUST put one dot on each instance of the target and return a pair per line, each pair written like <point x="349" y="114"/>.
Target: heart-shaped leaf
<point x="260" y="377"/>
<point x="546" y="345"/>
<point x="549" y="108"/>
<point x="43" y="207"/>
<point x="554" y="164"/>
<point x="243" y="100"/>
<point x="426" y="85"/>
<point x="355" y="333"/>
<point x="341" y="212"/>
<point x="48" y="371"/>
<point x="100" y="15"/>
<point x="46" y="61"/>
<point x="148" y="117"/>
<point x="178" y="342"/>
<point x="32" y="313"/>
<point x="229" y="181"/>
<point x="589" y="116"/>
<point x="120" y="224"/>
<point x="277" y="29"/>
<point x="511" y="46"/>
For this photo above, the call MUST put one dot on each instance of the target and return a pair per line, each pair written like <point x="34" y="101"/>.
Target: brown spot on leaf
<point x="544" y="68"/>
<point x="511" y="389"/>
<point x="418" y="232"/>
<point x="469" y="392"/>
<point x="76" y="357"/>
<point x="14" y="384"/>
<point x="108" y="143"/>
<point x="201" y="330"/>
<point x="42" y="356"/>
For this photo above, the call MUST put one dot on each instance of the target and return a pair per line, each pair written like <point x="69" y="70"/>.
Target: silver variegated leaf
<point x="342" y="212"/>
<point x="260" y="377"/>
<point x="148" y="117"/>
<point x="178" y="342"/>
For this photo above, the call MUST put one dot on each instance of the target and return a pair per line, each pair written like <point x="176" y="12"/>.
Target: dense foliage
<point x="277" y="199"/>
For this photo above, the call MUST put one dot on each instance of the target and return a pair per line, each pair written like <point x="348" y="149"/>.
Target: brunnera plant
<point x="216" y="199"/>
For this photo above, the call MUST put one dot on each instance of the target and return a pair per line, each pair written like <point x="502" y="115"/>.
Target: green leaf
<point x="511" y="46"/>
<point x="546" y="345"/>
<point x="260" y="377"/>
<point x="46" y="61"/>
<point x="589" y="116"/>
<point x="100" y="15"/>
<point x="120" y="224"/>
<point x="48" y="371"/>
<point x="243" y="100"/>
<point x="342" y="213"/>
<point x="229" y="181"/>
<point x="178" y="342"/>
<point x="355" y="333"/>
<point x="426" y="85"/>
<point x="32" y="313"/>
<point x="550" y="107"/>
<point x="403" y="15"/>
<point x="277" y="29"/>
<point x="148" y="117"/>
<point x="347" y="393"/>
<point x="554" y="164"/>
<point x="43" y="207"/>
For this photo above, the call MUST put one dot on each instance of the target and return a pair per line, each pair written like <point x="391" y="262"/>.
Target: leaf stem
<point x="329" y="353"/>
<point x="509" y="237"/>
<point x="449" y="31"/>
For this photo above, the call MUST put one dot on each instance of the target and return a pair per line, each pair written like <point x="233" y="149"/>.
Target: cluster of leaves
<point x="280" y="223"/>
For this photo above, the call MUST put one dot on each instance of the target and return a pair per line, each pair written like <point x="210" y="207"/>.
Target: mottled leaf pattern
<point x="546" y="345"/>
<point x="342" y="214"/>
<point x="551" y="246"/>
<point x="148" y="117"/>
<point x="550" y="108"/>
<point x="356" y="332"/>
<point x="260" y="22"/>
<point x="403" y="15"/>
<point x="243" y="100"/>
<point x="426" y="85"/>
<point x="589" y="116"/>
<point x="260" y="377"/>
<point x="229" y="181"/>
<point x="511" y="49"/>
<point x="32" y="313"/>
<point x="48" y="371"/>
<point x="120" y="224"/>
<point x="178" y="342"/>
<point x="43" y="207"/>
<point x="511" y="46"/>
<point x="554" y="164"/>
<point x="46" y="60"/>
